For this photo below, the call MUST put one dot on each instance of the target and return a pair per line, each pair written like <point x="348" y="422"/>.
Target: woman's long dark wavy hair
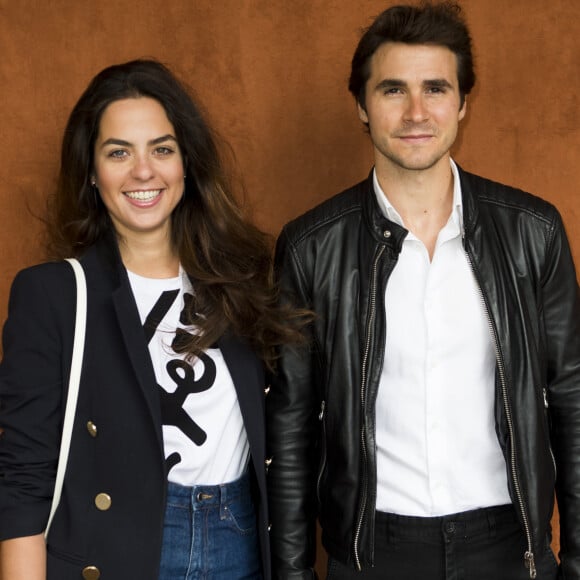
<point x="227" y="258"/>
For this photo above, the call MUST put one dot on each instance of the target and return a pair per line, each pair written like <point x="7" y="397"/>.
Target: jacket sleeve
<point x="561" y="311"/>
<point x="292" y="435"/>
<point x="30" y="404"/>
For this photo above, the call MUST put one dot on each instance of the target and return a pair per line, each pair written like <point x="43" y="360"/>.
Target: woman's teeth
<point x="146" y="195"/>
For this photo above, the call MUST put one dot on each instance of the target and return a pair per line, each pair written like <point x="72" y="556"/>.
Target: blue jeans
<point x="210" y="533"/>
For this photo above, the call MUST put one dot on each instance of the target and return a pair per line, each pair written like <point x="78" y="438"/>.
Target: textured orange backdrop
<point x="272" y="74"/>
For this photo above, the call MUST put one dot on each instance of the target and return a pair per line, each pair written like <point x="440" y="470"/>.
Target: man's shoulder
<point x="496" y="195"/>
<point x="338" y="210"/>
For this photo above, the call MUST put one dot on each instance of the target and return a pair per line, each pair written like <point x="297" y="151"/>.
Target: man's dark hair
<point x="437" y="24"/>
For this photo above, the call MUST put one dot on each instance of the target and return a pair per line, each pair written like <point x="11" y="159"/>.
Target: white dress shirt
<point x="437" y="450"/>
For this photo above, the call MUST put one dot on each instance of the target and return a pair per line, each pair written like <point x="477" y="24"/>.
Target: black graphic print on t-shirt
<point x="181" y="373"/>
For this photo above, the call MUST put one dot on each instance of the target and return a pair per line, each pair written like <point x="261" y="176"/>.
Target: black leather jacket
<point x="336" y="260"/>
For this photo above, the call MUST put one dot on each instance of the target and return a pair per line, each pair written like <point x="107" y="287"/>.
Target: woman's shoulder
<point x="41" y="304"/>
<point x="44" y="280"/>
<point x="45" y="269"/>
<point x="46" y="272"/>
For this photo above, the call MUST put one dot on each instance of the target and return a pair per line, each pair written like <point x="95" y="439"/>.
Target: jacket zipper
<point x="529" y="559"/>
<point x="321" y="418"/>
<point x="364" y="494"/>
<point x="547" y="406"/>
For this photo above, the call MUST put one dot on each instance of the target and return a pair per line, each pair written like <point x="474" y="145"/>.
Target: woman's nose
<point x="142" y="168"/>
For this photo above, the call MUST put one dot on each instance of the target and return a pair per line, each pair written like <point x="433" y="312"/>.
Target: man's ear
<point x="463" y="109"/>
<point x="362" y="114"/>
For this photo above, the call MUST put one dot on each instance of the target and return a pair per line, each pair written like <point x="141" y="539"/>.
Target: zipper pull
<point x="545" y="392"/>
<point x="530" y="563"/>
<point x="321" y="414"/>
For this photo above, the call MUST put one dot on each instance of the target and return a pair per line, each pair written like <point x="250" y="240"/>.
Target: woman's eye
<point x="163" y="151"/>
<point x="117" y="154"/>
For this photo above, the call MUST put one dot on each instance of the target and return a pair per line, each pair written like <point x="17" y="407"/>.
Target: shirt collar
<point x="392" y="214"/>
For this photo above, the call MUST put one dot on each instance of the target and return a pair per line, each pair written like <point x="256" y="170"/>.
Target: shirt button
<point x="268" y="462"/>
<point x="103" y="501"/>
<point x="92" y="429"/>
<point x="91" y="573"/>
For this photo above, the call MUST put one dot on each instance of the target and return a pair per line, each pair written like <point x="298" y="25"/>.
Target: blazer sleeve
<point x="36" y="337"/>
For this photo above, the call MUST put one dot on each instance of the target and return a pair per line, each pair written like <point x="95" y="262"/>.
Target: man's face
<point x="412" y="105"/>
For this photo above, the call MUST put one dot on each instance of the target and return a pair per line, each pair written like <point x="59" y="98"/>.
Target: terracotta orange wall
<point x="272" y="74"/>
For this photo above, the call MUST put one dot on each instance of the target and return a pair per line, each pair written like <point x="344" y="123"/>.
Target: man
<point x="439" y="394"/>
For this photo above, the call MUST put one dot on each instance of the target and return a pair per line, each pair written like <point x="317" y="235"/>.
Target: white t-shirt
<point x="203" y="431"/>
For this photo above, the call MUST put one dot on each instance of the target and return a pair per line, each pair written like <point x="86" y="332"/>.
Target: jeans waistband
<point x="465" y="524"/>
<point x="208" y="495"/>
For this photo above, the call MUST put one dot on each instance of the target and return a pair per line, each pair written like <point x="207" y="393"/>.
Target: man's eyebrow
<point x="390" y="84"/>
<point x="123" y="143"/>
<point x="397" y="83"/>
<point x="443" y="83"/>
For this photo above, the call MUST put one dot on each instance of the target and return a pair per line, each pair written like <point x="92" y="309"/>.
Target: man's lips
<point x="418" y="136"/>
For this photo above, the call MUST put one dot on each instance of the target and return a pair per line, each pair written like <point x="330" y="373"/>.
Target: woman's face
<point x="138" y="167"/>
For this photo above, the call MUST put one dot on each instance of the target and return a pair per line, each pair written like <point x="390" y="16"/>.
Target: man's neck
<point x="423" y="199"/>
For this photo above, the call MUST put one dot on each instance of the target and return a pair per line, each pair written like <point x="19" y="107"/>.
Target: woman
<point x="166" y="473"/>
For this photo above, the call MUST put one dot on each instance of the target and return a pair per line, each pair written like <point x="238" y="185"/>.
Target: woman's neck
<point x="150" y="258"/>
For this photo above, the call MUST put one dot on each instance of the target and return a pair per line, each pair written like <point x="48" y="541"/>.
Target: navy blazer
<point x="117" y="443"/>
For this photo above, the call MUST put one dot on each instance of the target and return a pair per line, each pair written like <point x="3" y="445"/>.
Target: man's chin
<point x="416" y="164"/>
